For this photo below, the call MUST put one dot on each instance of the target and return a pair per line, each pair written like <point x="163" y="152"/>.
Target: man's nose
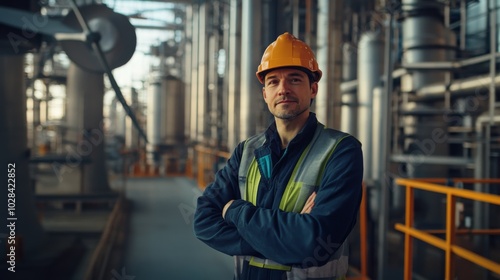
<point x="283" y="88"/>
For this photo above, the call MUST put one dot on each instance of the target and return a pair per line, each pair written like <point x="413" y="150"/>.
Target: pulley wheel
<point x="117" y="38"/>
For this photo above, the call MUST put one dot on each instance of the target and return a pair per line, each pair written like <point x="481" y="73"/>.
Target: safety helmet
<point x="288" y="51"/>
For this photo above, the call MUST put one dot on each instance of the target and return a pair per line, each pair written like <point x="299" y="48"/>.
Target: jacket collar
<point x="304" y="136"/>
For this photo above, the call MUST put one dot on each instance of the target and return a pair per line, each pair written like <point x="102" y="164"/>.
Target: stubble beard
<point x="289" y="115"/>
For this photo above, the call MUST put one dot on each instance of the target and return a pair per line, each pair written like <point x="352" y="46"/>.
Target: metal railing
<point x="206" y="158"/>
<point x="448" y="244"/>
<point x="102" y="260"/>
<point x="362" y="273"/>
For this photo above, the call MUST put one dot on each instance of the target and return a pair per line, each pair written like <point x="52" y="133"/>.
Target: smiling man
<point x="287" y="199"/>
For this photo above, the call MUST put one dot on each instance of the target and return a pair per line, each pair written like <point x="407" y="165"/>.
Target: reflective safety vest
<point x="305" y="179"/>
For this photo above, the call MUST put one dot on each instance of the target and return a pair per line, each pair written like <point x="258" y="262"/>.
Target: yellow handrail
<point x="447" y="244"/>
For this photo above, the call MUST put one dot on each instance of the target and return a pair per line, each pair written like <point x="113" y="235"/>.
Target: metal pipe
<point x="458" y="87"/>
<point x="194" y="75"/>
<point x="420" y="159"/>
<point x="378" y="125"/>
<point x="188" y="63"/>
<point x="329" y="35"/>
<point x="155" y="109"/>
<point x="484" y="210"/>
<point x="370" y="65"/>
<point x="295" y="18"/>
<point x="233" y="103"/>
<point x="463" y="25"/>
<point x="201" y="114"/>
<point x="335" y="102"/>
<point x="481" y="216"/>
<point x="251" y="54"/>
<point x="349" y="99"/>
<point x="448" y="65"/>
<point x="323" y="54"/>
<point x="348" y="86"/>
<point x="213" y="93"/>
<point x="214" y="109"/>
<point x="351" y="85"/>
<point x="308" y="22"/>
<point x="493" y="53"/>
<point x="225" y="37"/>
<point x="381" y="161"/>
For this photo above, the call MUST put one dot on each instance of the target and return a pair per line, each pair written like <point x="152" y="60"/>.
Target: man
<point x="287" y="199"/>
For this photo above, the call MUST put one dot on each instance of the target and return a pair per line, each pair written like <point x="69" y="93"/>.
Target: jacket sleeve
<point x="209" y="226"/>
<point x="308" y="239"/>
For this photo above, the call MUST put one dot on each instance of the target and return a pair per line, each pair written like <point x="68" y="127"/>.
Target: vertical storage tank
<point x="423" y="120"/>
<point x="425" y="38"/>
<point x="165" y="122"/>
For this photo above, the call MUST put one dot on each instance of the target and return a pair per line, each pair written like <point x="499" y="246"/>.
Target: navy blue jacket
<point x="264" y="230"/>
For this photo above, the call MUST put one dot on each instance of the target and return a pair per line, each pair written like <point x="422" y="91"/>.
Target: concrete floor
<point x="161" y="242"/>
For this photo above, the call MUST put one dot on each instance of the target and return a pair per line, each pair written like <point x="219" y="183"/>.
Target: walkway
<point x="161" y="242"/>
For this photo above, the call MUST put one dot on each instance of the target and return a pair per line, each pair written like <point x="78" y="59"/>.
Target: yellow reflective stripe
<point x="252" y="183"/>
<point x="254" y="262"/>
<point x="323" y="165"/>
<point x="290" y="196"/>
<point x="292" y="189"/>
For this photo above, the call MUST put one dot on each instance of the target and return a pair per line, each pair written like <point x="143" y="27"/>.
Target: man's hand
<point x="225" y="208"/>
<point x="309" y="204"/>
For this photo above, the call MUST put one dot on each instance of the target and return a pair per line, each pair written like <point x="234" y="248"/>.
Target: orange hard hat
<point x="288" y="51"/>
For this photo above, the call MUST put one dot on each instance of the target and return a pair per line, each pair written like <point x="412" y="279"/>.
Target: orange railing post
<point x="408" y="264"/>
<point x="450" y="236"/>
<point x="363" y="233"/>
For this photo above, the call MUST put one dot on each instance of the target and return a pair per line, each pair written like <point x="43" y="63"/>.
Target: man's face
<point x="288" y="92"/>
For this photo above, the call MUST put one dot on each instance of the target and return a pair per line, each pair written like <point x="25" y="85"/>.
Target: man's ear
<point x="314" y="89"/>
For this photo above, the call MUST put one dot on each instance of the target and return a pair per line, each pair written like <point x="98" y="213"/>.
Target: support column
<point x="251" y="52"/>
<point x="85" y="92"/>
<point x="26" y="231"/>
<point x="233" y="111"/>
